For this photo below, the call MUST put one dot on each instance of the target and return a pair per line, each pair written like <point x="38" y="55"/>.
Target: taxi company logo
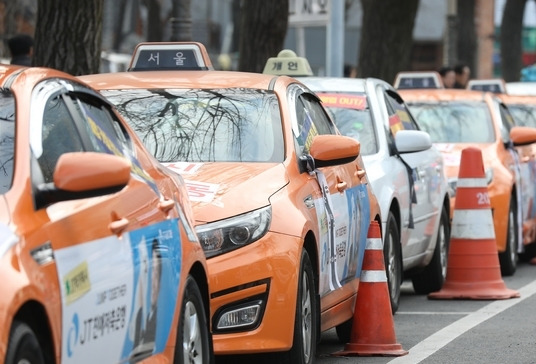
<point x="76" y="283"/>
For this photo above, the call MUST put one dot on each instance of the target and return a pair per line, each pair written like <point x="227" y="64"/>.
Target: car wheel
<point x="23" y="345"/>
<point x="508" y="258"/>
<point x="393" y="260"/>
<point x="432" y="277"/>
<point x="305" y="331"/>
<point x="193" y="337"/>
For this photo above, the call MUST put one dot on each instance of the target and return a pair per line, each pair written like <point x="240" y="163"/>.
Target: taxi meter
<point x="413" y="80"/>
<point x="170" y="56"/>
<point x="495" y="85"/>
<point x="287" y="63"/>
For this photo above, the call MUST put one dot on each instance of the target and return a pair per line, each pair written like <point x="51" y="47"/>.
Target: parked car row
<point x="174" y="213"/>
<point x="484" y="116"/>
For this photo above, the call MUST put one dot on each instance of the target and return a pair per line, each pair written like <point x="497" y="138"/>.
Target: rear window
<point x="454" y="121"/>
<point x="209" y="125"/>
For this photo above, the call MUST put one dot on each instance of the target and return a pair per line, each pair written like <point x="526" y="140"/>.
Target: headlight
<point x="223" y="236"/>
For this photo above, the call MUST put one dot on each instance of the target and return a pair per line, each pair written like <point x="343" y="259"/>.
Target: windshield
<point x="351" y="115"/>
<point x="454" y="121"/>
<point x="212" y="125"/>
<point x="7" y="140"/>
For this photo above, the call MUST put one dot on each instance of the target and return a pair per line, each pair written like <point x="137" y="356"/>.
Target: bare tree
<point x="387" y="37"/>
<point x="68" y="35"/>
<point x="510" y="39"/>
<point x="263" y="27"/>
<point x="466" y="38"/>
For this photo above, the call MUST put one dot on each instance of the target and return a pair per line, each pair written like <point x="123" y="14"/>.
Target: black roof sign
<point x="170" y="56"/>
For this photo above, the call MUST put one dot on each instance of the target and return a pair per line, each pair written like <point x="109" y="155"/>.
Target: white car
<point x="406" y="173"/>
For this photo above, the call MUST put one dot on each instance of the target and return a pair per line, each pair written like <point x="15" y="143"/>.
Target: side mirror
<point x="331" y="150"/>
<point x="82" y="175"/>
<point x="411" y="141"/>
<point x="522" y="135"/>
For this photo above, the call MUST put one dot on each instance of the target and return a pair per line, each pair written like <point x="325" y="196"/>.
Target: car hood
<point x="221" y="190"/>
<point x="452" y="153"/>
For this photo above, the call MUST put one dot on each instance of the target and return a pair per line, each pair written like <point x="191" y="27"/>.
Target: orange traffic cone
<point x="473" y="268"/>
<point x="372" y="325"/>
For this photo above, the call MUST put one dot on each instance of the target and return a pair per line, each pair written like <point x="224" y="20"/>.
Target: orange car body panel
<point x="24" y="281"/>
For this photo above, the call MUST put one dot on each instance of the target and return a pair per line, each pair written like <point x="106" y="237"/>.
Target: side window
<point x="75" y="123"/>
<point x="399" y="116"/>
<point x="507" y="122"/>
<point x="59" y="135"/>
<point x="312" y="120"/>
<point x="105" y="132"/>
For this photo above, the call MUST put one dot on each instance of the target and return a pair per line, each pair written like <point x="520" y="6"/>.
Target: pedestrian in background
<point x="463" y="73"/>
<point x="448" y="76"/>
<point x="21" y="48"/>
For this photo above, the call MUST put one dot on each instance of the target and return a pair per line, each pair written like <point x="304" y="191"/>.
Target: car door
<point x="112" y="252"/>
<point x="341" y="202"/>
<point x="424" y="176"/>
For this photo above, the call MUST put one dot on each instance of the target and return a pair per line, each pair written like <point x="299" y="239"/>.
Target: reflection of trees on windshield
<point x="204" y="125"/>
<point x="455" y="122"/>
<point x="7" y="140"/>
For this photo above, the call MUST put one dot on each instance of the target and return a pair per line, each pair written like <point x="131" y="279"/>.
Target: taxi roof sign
<point x="416" y="79"/>
<point x="287" y="63"/>
<point x="158" y="56"/>
<point x="495" y="85"/>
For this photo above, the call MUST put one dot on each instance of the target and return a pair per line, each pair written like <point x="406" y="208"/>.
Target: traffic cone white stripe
<point x="373" y="276"/>
<point x="374" y="244"/>
<point x="471" y="182"/>
<point x="472" y="224"/>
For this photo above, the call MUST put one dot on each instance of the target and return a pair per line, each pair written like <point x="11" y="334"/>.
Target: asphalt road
<point x="451" y="331"/>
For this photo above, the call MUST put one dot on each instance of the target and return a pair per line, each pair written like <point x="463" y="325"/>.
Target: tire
<point x="194" y="344"/>
<point x="508" y="259"/>
<point x="393" y="260"/>
<point x="23" y="345"/>
<point x="305" y="331"/>
<point x="431" y="279"/>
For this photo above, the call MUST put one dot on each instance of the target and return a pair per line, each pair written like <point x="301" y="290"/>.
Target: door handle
<point x="166" y="205"/>
<point x="341" y="185"/>
<point x="360" y="173"/>
<point x="118" y="225"/>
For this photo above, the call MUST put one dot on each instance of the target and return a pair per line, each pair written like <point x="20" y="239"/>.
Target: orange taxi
<point x="281" y="200"/>
<point x="99" y="261"/>
<point x="523" y="110"/>
<point x="456" y="119"/>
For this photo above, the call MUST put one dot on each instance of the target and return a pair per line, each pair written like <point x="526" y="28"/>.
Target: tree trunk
<point x="386" y="38"/>
<point x="467" y="46"/>
<point x="68" y="35"/>
<point x="155" y="26"/>
<point x="510" y="39"/>
<point x="263" y="26"/>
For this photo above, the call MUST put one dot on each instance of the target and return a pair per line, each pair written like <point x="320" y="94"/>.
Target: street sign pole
<point x="335" y="40"/>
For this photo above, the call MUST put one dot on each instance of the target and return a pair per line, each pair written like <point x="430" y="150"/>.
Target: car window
<point x="455" y="121"/>
<point x="312" y="120"/>
<point x="212" y="125"/>
<point x="399" y="117"/>
<point x="72" y="123"/>
<point x="507" y="122"/>
<point x="7" y="139"/>
<point x="524" y="115"/>
<point x="352" y="116"/>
